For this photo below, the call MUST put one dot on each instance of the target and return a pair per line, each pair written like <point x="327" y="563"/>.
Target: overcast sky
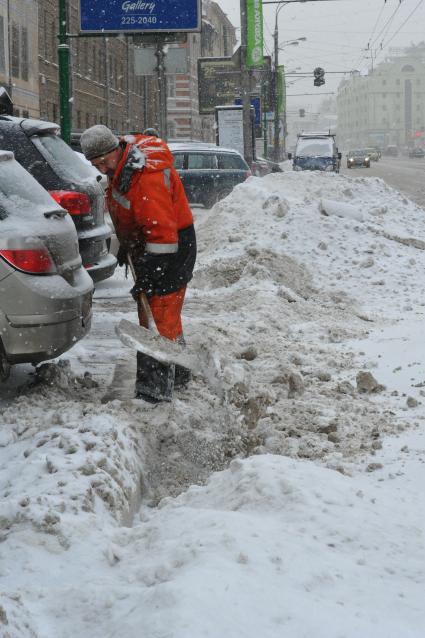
<point x="338" y="33"/>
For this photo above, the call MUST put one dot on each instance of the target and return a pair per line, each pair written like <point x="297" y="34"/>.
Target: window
<point x="54" y="42"/>
<point x="15" y="50"/>
<point x="24" y="53"/>
<point x="171" y="129"/>
<point x="231" y="161"/>
<point x="201" y="160"/>
<point x="62" y="157"/>
<point x="2" y="46"/>
<point x="94" y="69"/>
<point x="171" y="86"/>
<point x="178" y="161"/>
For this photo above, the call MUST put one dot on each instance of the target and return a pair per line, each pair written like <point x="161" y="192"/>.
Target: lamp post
<point x="277" y="48"/>
<point x="276" y="150"/>
<point x="64" y="88"/>
<point x="245" y="87"/>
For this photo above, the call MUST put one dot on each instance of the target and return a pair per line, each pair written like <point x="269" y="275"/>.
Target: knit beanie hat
<point x="98" y="140"/>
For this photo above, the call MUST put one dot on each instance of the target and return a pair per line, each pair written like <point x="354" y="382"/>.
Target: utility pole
<point x="245" y="88"/>
<point x="265" y="109"/>
<point x="276" y="149"/>
<point x="162" y="88"/>
<point x="63" y="54"/>
<point x="9" y="52"/>
<point x="107" y="82"/>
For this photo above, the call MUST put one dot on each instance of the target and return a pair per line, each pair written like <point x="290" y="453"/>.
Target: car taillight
<point x="75" y="203"/>
<point x="248" y="174"/>
<point x="30" y="260"/>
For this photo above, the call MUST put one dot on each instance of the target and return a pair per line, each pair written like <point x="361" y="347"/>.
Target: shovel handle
<point x="144" y="303"/>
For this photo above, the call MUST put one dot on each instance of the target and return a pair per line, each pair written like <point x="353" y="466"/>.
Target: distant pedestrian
<point x="154" y="225"/>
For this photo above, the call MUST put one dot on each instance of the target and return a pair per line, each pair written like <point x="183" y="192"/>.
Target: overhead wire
<point x="387" y="25"/>
<point x="402" y="25"/>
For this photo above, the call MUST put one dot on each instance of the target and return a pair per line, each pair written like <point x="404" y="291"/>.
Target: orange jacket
<point x="146" y="198"/>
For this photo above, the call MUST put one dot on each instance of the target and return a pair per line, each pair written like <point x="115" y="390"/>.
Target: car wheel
<point x="223" y="193"/>
<point x="4" y="366"/>
<point x="209" y="200"/>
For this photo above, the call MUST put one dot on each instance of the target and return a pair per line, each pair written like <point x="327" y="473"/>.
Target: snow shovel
<point x="150" y="342"/>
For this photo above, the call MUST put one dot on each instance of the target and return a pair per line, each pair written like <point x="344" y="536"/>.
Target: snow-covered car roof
<point x="31" y="126"/>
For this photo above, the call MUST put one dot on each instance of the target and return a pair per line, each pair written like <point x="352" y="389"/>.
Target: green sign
<point x="254" y="18"/>
<point x="281" y="89"/>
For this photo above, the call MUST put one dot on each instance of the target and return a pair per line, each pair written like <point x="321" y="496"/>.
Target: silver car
<point x="45" y="293"/>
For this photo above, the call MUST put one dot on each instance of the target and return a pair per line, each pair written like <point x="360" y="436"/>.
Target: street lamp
<point x="276" y="149"/>
<point x="292" y="42"/>
<point x="277" y="48"/>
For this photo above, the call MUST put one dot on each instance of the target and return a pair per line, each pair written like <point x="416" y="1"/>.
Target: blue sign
<point x="108" y="16"/>
<point x="256" y="103"/>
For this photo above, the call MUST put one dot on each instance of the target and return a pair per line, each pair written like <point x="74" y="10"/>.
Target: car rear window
<point x="178" y="161"/>
<point x="62" y="158"/>
<point x="201" y="160"/>
<point x="16" y="184"/>
<point x="231" y="160"/>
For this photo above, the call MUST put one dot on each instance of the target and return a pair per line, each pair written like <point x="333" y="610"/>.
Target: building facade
<point x="104" y="87"/>
<point x="19" y="54"/>
<point x="217" y="39"/>
<point x="387" y="106"/>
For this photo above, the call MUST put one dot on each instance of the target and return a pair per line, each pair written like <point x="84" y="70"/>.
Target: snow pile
<point x="113" y="503"/>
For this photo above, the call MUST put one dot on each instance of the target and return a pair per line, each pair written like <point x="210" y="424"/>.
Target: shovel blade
<point x="160" y="348"/>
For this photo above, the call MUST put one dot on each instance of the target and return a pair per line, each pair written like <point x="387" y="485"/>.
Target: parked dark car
<point x="262" y="166"/>
<point x="358" y="157"/>
<point x="416" y="152"/>
<point x="38" y="147"/>
<point x="209" y="173"/>
<point x="45" y="293"/>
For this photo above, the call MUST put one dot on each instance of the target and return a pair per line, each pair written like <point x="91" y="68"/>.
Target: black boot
<point x="154" y="380"/>
<point x="182" y="376"/>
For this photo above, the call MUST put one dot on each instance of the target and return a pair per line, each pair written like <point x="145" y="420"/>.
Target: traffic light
<point x="319" y="76"/>
<point x="302" y="112"/>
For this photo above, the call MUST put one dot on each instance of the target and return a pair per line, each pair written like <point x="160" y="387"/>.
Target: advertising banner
<point x="230" y="127"/>
<point x="254" y="52"/>
<point x="281" y="89"/>
<point x="219" y="82"/>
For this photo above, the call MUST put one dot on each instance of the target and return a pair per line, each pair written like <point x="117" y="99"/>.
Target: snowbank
<point x="264" y="506"/>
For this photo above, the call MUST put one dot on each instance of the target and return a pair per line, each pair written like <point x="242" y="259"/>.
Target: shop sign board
<point x="134" y="16"/>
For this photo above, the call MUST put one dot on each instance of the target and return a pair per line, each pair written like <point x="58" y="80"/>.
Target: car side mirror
<point x="339" y="155"/>
<point x="289" y="156"/>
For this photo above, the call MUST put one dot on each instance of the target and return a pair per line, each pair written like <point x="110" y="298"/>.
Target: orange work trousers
<point x="166" y="310"/>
